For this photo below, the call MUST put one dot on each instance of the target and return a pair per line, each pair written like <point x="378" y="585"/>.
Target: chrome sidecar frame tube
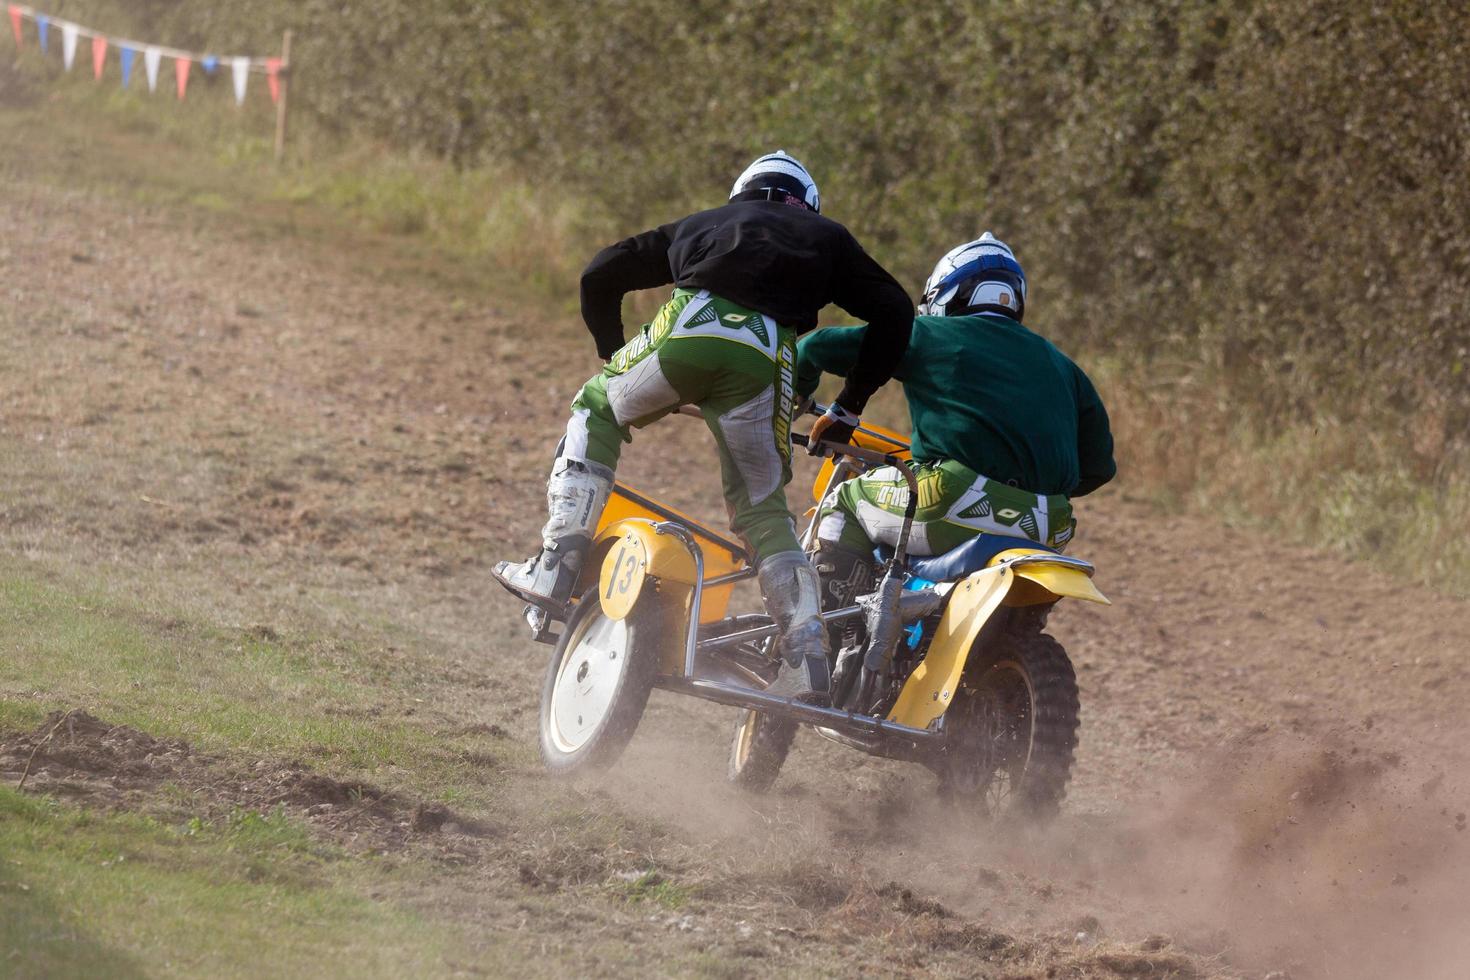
<point x="858" y="726"/>
<point x="845" y="722"/>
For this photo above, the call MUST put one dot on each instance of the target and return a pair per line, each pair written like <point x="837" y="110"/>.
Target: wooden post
<point x="285" y="77"/>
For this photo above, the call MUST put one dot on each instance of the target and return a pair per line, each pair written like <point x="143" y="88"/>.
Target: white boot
<point x="792" y="593"/>
<point x="575" y="496"/>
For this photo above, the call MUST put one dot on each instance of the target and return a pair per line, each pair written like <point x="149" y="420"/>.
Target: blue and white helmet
<point x="782" y="178"/>
<point x="982" y="276"/>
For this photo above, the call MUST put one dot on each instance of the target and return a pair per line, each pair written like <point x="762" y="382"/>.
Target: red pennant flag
<point x="99" y="55"/>
<point x="181" y="74"/>
<point x="15" y="23"/>
<point x="273" y="77"/>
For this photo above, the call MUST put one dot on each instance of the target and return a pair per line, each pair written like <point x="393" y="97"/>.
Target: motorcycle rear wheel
<point x="1012" y="732"/>
<point x="596" y="688"/>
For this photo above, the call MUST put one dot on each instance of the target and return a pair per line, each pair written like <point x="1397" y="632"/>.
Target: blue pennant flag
<point x="43" y="28"/>
<point x="210" y="64"/>
<point x="126" y="55"/>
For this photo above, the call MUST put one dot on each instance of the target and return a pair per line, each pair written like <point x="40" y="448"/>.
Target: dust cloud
<point x="1312" y="857"/>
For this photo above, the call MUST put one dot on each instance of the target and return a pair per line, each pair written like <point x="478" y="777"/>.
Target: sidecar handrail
<point x="737" y="551"/>
<point x="739" y="575"/>
<point x="691" y="639"/>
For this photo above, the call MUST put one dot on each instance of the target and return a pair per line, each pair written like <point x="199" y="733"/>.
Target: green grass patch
<point x="83" y="894"/>
<point x="87" y="893"/>
<point x="19" y="716"/>
<point x="655" y="889"/>
<point x="73" y="645"/>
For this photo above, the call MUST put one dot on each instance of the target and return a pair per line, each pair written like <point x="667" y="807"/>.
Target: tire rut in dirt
<point x="75" y="756"/>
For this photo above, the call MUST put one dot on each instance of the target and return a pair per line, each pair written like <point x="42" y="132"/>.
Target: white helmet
<point x="782" y="178"/>
<point x="982" y="276"/>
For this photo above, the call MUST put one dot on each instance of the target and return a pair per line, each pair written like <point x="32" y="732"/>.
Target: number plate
<point x="622" y="576"/>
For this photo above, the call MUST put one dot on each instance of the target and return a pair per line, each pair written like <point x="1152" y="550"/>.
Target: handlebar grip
<point x="870" y="456"/>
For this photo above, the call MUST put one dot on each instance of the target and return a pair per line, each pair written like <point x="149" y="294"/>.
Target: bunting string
<point x="241" y="66"/>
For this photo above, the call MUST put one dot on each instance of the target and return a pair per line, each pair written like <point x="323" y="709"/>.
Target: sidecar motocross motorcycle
<point x="944" y="663"/>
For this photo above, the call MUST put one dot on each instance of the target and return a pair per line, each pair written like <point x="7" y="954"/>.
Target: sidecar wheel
<point x="596" y="688"/>
<point x="1012" y="732"/>
<point x="759" y="749"/>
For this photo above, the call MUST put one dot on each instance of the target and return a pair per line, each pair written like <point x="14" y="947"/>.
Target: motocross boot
<point x="792" y="593"/>
<point x="575" y="496"/>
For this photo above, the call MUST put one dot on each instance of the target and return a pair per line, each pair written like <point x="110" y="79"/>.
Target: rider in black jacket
<point x="749" y="277"/>
<point x="784" y="262"/>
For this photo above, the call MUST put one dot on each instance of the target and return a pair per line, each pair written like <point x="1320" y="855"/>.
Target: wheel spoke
<point x="987" y="760"/>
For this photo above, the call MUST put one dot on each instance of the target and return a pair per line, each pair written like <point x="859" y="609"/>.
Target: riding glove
<point x="837" y="424"/>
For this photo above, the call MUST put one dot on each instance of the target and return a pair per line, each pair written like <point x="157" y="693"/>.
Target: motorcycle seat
<point x="969" y="557"/>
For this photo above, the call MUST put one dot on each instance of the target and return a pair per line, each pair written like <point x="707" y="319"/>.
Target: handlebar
<point x="875" y="458"/>
<point x="828" y="448"/>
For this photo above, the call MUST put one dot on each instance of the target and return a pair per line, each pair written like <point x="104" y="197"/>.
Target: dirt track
<point x="1273" y="748"/>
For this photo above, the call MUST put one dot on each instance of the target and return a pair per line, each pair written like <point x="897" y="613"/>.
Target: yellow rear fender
<point x="1044" y="576"/>
<point x="1018" y="577"/>
<point x="931" y="688"/>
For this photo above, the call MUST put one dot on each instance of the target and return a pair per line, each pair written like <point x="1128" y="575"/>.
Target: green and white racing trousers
<point x="736" y="366"/>
<point x="955" y="505"/>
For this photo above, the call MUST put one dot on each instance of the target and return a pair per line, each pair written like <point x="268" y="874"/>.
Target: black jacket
<point x="779" y="260"/>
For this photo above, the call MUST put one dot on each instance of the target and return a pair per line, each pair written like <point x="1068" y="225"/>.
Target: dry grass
<point x="1349" y="488"/>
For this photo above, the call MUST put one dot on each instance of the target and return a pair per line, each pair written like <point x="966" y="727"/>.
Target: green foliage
<point x="1272" y="192"/>
<point x="1262" y="204"/>
<point x="1274" y="188"/>
<point x="1346" y="486"/>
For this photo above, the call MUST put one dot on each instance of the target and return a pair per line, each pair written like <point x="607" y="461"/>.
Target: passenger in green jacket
<point x="1006" y="428"/>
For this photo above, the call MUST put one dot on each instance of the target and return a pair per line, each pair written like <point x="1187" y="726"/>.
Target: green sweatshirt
<point x="986" y="392"/>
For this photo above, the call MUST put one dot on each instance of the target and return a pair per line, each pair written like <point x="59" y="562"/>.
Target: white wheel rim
<point x="590" y="673"/>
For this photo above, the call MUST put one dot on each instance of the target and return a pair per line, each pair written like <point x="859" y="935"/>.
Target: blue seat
<point x="969" y="557"/>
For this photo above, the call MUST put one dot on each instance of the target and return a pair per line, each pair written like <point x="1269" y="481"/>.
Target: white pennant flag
<point x="68" y="44"/>
<point x="152" y="57"/>
<point x="240" y="67"/>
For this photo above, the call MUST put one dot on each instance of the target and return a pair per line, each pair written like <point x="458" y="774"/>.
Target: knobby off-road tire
<point x="759" y="749"/>
<point x="1013" y="731"/>
<point x="597" y="685"/>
